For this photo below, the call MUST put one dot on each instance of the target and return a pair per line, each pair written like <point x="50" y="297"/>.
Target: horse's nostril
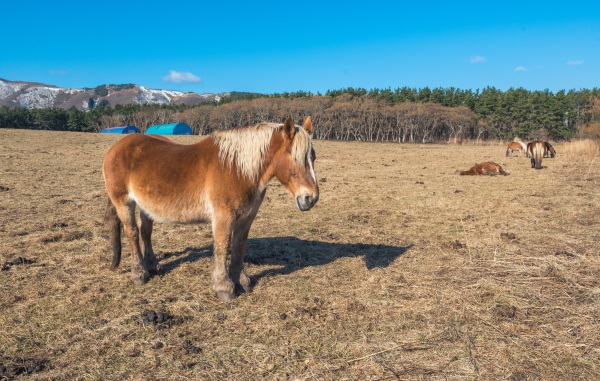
<point x="306" y="202"/>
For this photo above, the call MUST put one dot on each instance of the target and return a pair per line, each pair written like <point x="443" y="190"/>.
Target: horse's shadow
<point x="289" y="254"/>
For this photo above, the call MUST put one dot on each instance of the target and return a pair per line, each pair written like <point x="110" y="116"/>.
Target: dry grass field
<point x="402" y="271"/>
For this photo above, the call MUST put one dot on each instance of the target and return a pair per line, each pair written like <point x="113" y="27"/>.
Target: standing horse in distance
<point x="221" y="179"/>
<point x="516" y="146"/>
<point x="537" y="150"/>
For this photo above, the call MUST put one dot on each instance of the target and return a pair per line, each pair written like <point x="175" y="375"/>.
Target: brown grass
<point x="402" y="271"/>
<point x="581" y="150"/>
<point x="585" y="152"/>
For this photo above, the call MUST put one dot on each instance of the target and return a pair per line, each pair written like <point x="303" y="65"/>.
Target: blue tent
<point x="170" y="129"/>
<point x="121" y="130"/>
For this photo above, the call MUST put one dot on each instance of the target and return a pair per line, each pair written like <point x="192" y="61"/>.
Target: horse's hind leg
<point x="150" y="261"/>
<point x="113" y="225"/>
<point x="538" y="159"/>
<point x="126" y="212"/>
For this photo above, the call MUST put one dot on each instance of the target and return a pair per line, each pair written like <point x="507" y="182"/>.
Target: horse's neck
<point x="267" y="169"/>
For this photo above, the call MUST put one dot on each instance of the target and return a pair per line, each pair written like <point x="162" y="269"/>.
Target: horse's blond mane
<point x="246" y="146"/>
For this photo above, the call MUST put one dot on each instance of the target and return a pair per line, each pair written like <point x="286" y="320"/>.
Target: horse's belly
<point x="177" y="210"/>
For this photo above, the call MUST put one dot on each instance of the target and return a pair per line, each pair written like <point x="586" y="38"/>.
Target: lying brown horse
<point x="516" y="146"/>
<point x="222" y="179"/>
<point x="538" y="150"/>
<point x="488" y="168"/>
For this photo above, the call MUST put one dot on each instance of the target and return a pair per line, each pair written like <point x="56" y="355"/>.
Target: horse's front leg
<point x="222" y="232"/>
<point x="238" y="247"/>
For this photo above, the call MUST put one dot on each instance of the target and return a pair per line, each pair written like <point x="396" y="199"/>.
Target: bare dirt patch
<point x="403" y="270"/>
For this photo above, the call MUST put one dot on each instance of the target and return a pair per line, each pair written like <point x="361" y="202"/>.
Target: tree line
<point x="400" y="115"/>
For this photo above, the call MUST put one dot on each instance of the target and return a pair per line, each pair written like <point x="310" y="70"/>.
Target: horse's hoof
<point x="141" y="278"/>
<point x="138" y="281"/>
<point x="225" y="296"/>
<point x="245" y="282"/>
<point x="156" y="270"/>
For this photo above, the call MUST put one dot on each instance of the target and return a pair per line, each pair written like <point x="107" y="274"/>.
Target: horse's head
<point x="551" y="150"/>
<point x="295" y="165"/>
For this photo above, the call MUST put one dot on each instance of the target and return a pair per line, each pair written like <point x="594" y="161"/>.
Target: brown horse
<point x="538" y="150"/>
<point x="222" y="179"/>
<point x="516" y="146"/>
<point x="488" y="168"/>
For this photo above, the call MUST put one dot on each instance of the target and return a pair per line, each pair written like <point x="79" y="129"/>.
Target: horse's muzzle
<point x="306" y="202"/>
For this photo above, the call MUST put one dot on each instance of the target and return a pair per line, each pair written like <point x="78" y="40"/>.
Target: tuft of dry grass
<point x="401" y="271"/>
<point x="581" y="153"/>
<point x="581" y="150"/>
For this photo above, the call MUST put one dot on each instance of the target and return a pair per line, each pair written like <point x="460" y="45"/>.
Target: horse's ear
<point x="289" y="127"/>
<point x="308" y="125"/>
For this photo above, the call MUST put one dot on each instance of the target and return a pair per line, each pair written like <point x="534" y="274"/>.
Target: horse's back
<point x="141" y="153"/>
<point x="135" y="153"/>
<point x="160" y="137"/>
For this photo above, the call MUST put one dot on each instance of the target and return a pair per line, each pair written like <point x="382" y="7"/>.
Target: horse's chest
<point x="249" y="205"/>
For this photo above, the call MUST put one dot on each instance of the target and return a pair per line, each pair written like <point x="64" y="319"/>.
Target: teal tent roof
<point x="121" y="130"/>
<point x="170" y="129"/>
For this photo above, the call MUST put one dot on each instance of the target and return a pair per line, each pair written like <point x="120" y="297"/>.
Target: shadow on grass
<point x="290" y="254"/>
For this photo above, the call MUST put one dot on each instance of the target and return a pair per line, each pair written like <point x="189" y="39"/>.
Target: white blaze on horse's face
<point x="308" y="194"/>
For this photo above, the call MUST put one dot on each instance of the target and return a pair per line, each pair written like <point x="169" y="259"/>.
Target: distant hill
<point x="32" y="95"/>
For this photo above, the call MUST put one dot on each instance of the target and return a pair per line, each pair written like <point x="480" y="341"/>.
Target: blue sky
<point x="274" y="47"/>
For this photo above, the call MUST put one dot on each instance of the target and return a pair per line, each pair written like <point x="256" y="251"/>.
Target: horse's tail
<point x="538" y="155"/>
<point x="507" y="150"/>
<point x="531" y="148"/>
<point x="113" y="225"/>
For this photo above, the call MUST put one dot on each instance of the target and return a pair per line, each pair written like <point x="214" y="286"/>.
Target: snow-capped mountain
<point x="33" y="95"/>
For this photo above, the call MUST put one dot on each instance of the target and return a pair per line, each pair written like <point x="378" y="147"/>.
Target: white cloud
<point x="180" y="76"/>
<point x="520" y="68"/>
<point x="478" y="59"/>
<point x="575" y="62"/>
